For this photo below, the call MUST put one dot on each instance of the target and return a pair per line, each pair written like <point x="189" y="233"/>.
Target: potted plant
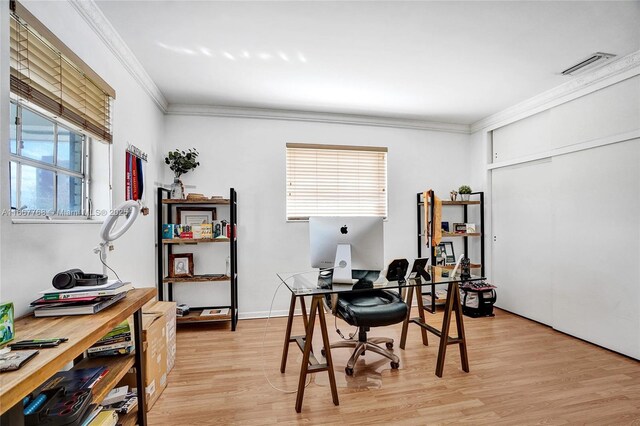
<point x="464" y="192"/>
<point x="181" y="162"/>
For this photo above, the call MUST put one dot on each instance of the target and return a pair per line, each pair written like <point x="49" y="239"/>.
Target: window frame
<point x="20" y="160"/>
<point x="352" y="148"/>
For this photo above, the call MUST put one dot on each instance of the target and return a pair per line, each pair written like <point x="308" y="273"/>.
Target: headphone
<point x="75" y="277"/>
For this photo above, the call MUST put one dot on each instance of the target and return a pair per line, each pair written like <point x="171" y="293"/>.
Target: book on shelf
<point x="202" y="231"/>
<point x="206" y="231"/>
<point x="118" y="341"/>
<point x="125" y="406"/>
<point x="13" y="360"/>
<point x="77" y="308"/>
<point x="91" y="414"/>
<point x="215" y="312"/>
<point x="111" y="347"/>
<point x="105" y="418"/>
<point x="113" y="352"/>
<point x="110" y="289"/>
<point x="167" y="230"/>
<point x="182" y="231"/>
<point x="75" y="379"/>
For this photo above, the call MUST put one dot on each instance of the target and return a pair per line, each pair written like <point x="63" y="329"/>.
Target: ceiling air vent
<point x="587" y="63"/>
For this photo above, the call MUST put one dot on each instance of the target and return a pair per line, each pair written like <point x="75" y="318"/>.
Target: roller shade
<point x="41" y="74"/>
<point x="328" y="180"/>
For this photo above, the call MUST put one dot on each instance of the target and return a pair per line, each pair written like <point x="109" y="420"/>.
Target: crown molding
<point x="611" y="73"/>
<point x="92" y="14"/>
<point x="320" y="117"/>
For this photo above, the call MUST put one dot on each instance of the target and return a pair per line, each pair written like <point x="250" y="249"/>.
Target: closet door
<point x="521" y="240"/>
<point x="596" y="282"/>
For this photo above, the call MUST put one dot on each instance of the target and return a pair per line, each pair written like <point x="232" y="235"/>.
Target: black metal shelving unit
<point x="165" y="214"/>
<point x="424" y="207"/>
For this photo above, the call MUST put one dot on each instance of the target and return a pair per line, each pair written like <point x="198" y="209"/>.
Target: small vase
<point x="464" y="197"/>
<point x="177" y="189"/>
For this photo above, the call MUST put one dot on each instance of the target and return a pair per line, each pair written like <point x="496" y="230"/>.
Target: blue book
<point x="167" y="231"/>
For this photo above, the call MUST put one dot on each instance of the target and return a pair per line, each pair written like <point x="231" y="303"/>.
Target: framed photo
<point x="459" y="228"/>
<point x="419" y="269"/>
<point x="447" y="253"/>
<point x="181" y="265"/>
<point x="189" y="215"/>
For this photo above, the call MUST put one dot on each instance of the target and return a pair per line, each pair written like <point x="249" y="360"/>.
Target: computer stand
<point x="342" y="265"/>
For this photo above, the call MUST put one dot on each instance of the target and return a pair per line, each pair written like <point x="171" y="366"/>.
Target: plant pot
<point x="464" y="197"/>
<point x="177" y="189"/>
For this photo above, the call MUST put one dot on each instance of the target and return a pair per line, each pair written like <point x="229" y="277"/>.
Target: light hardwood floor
<point x="521" y="373"/>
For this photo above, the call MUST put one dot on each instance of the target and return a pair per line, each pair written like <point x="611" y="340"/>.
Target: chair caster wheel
<point x="323" y="352"/>
<point x="349" y="371"/>
<point x="395" y="365"/>
<point x="389" y="345"/>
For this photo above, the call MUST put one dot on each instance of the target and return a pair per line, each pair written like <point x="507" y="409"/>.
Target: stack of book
<point x="79" y="300"/>
<point x="118" y="341"/>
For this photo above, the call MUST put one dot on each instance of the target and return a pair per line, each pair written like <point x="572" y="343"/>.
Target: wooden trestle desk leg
<point x="308" y="357"/>
<point x="452" y="304"/>
<point x="408" y="319"/>
<point x="287" y="335"/>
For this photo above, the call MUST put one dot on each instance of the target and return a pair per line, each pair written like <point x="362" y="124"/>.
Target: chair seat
<point x="376" y="308"/>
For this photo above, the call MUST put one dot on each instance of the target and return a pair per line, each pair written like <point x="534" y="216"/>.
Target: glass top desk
<point x="309" y="283"/>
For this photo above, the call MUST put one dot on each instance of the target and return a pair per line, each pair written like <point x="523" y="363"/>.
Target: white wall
<point x="567" y="225"/>
<point x="32" y="254"/>
<point x="249" y="155"/>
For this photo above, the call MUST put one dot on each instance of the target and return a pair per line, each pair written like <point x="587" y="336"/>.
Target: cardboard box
<point x="158" y="334"/>
<point x="168" y="311"/>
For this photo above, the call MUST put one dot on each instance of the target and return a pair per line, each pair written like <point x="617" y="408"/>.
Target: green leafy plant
<point x="464" y="189"/>
<point x="181" y="162"/>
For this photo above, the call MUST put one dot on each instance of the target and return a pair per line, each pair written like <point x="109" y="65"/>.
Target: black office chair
<point x="375" y="308"/>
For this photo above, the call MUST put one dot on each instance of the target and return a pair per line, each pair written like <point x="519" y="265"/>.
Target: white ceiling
<point x="453" y="62"/>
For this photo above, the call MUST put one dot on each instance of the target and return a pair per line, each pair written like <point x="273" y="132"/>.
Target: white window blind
<point x="43" y="74"/>
<point x="330" y="180"/>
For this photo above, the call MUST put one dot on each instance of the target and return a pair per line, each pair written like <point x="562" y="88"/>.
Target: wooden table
<point x="82" y="332"/>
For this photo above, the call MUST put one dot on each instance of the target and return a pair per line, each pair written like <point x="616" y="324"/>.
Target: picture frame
<point x="447" y="252"/>
<point x="181" y="265"/>
<point x="191" y="215"/>
<point x="397" y="270"/>
<point x="419" y="269"/>
<point x="460" y="228"/>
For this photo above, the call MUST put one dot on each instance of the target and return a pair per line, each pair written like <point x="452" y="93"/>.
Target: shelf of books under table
<point x="118" y="366"/>
<point x="195" y="316"/>
<point x="82" y="332"/>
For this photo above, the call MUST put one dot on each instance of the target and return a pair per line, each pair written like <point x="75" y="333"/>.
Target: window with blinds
<point x="330" y="180"/>
<point x="42" y="74"/>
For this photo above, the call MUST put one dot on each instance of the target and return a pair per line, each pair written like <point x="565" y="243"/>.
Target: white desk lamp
<point x="128" y="209"/>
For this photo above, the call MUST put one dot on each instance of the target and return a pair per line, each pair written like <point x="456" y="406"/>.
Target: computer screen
<point x="348" y="244"/>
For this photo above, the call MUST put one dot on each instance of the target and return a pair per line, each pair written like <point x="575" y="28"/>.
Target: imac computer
<point x="351" y="246"/>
